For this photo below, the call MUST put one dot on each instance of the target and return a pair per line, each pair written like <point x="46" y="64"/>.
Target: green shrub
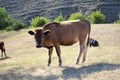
<point x="10" y="28"/>
<point x="118" y="20"/>
<point x="97" y="17"/>
<point x="76" y="16"/>
<point x="17" y="25"/>
<point x="60" y="18"/>
<point x="38" y="21"/>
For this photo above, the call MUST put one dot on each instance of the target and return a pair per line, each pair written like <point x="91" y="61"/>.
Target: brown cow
<point x="2" y="47"/>
<point x="64" y="33"/>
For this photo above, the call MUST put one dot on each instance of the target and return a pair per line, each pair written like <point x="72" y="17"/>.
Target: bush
<point x="97" y="17"/>
<point x="76" y="16"/>
<point x="10" y="28"/>
<point x="38" y="21"/>
<point x="17" y="25"/>
<point x="118" y="20"/>
<point x="60" y="18"/>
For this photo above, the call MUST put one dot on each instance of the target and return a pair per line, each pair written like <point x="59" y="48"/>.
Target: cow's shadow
<point x="7" y="57"/>
<point x="71" y="72"/>
<point x="67" y="72"/>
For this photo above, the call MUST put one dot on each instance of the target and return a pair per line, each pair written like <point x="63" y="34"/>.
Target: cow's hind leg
<point x="50" y="55"/>
<point x="81" y="50"/>
<point x="85" y="46"/>
<point x="84" y="52"/>
<point x="4" y="52"/>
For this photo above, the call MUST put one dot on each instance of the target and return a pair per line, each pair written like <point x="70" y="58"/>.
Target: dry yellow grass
<point x="26" y="62"/>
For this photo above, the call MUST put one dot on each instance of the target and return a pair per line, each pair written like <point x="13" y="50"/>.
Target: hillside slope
<point x="27" y="9"/>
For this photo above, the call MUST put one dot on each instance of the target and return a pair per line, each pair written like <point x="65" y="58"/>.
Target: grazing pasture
<point x="26" y="62"/>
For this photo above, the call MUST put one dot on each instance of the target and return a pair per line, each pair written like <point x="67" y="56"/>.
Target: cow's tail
<point x="88" y="34"/>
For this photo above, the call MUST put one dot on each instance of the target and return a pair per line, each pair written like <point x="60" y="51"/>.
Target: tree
<point x="4" y="20"/>
<point x="8" y="23"/>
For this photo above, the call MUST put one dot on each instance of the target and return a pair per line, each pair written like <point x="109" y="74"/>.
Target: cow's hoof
<point x="83" y="61"/>
<point x="77" y="63"/>
<point x="60" y="65"/>
<point x="48" y="64"/>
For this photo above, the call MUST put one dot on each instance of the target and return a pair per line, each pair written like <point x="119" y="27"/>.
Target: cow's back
<point x="73" y="27"/>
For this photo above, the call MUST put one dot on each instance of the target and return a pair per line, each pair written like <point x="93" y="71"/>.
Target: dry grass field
<point x="26" y="62"/>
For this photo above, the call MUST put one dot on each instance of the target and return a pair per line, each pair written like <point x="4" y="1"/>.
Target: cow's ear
<point x="46" y="32"/>
<point x="31" y="32"/>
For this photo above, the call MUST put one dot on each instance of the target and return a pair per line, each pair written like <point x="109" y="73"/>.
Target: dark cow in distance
<point x="2" y="47"/>
<point x="64" y="33"/>
<point x="93" y="42"/>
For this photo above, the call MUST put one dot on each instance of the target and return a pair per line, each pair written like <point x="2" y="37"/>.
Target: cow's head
<point x="40" y="35"/>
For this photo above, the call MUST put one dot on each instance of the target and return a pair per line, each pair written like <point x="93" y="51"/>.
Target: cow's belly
<point x="67" y="41"/>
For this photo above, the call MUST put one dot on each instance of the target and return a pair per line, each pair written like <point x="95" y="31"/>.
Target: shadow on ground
<point x="71" y="72"/>
<point x="7" y="57"/>
<point x="67" y="72"/>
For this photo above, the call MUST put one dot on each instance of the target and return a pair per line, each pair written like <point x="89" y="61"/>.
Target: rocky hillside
<point x="27" y="9"/>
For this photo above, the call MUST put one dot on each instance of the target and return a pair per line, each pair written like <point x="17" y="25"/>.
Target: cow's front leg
<point x="57" y="47"/>
<point x="50" y="55"/>
<point x="1" y="52"/>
